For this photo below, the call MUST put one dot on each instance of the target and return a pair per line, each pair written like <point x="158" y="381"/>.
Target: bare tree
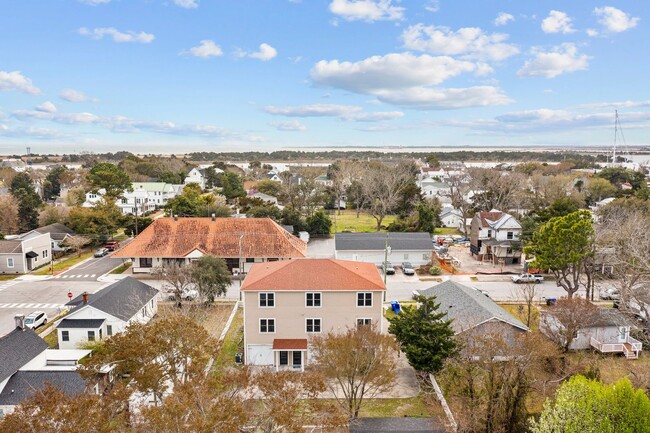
<point x="494" y="189"/>
<point x="77" y="243"/>
<point x="457" y="193"/>
<point x="357" y="364"/>
<point x="382" y="188"/>
<point x="9" y="220"/>
<point x="529" y="292"/>
<point x="176" y="279"/>
<point x="567" y="317"/>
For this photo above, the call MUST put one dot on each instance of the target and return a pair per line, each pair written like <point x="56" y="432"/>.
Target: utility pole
<point x="386" y="252"/>
<point x="241" y="237"/>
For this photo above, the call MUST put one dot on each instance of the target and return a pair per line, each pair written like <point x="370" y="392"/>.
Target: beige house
<point x="288" y="302"/>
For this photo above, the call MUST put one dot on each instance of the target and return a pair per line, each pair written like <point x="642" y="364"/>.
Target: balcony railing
<point x="630" y="347"/>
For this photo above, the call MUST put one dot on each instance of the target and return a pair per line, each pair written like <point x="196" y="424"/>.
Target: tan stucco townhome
<point x="288" y="302"/>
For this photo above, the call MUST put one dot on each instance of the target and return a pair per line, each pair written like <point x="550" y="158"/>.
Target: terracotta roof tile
<point x="489" y="216"/>
<point x="313" y="274"/>
<point x="290" y="344"/>
<point x="170" y="238"/>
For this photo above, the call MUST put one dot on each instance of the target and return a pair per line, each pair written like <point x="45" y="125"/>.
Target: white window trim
<point x="365" y="306"/>
<point x="320" y="323"/>
<point x="259" y="297"/>
<point x="313" y="306"/>
<point x="275" y="325"/>
<point x="13" y="262"/>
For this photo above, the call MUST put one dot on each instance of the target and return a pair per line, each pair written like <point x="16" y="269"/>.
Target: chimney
<point x="175" y="217"/>
<point x="20" y="321"/>
<point x="214" y="217"/>
<point x="85" y="297"/>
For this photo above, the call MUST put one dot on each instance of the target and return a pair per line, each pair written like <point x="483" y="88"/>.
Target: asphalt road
<point x="93" y="268"/>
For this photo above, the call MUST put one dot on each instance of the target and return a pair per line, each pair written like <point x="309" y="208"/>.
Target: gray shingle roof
<point x="468" y="307"/>
<point x="81" y="323"/>
<point x="24" y="384"/>
<point x="396" y="425"/>
<point x="377" y="241"/>
<point x="57" y="231"/>
<point x="11" y="246"/>
<point x="17" y="348"/>
<point x="122" y="299"/>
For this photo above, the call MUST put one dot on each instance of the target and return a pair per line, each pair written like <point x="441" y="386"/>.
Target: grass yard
<point x="64" y="264"/>
<point x="7" y="277"/>
<point x="519" y="311"/>
<point x="212" y="317"/>
<point x="419" y="407"/>
<point x="349" y="222"/>
<point x="231" y="344"/>
<point x="122" y="268"/>
<point x="447" y="231"/>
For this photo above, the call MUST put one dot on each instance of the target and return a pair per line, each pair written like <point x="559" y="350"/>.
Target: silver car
<point x="35" y="319"/>
<point x="407" y="268"/>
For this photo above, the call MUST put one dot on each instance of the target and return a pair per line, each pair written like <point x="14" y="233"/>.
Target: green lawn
<point x="395" y="407"/>
<point x="447" y="231"/>
<point x="122" y="268"/>
<point x="64" y="264"/>
<point x="7" y="277"/>
<point x="348" y="222"/>
<point x="231" y="347"/>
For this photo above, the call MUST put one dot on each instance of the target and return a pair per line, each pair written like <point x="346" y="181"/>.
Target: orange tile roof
<point x="313" y="274"/>
<point x="290" y="344"/>
<point x="170" y="238"/>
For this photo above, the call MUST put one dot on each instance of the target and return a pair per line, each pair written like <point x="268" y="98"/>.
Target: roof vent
<point x="175" y="217"/>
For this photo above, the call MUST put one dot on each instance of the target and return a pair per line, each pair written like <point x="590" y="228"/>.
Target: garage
<point x="260" y="354"/>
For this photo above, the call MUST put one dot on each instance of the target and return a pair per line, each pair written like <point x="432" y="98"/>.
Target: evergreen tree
<point x="22" y="188"/>
<point x="319" y="223"/>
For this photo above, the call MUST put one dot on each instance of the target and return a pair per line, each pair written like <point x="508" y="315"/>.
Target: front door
<point x="284" y="358"/>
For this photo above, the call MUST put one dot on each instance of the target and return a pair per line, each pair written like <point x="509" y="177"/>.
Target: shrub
<point x="435" y="270"/>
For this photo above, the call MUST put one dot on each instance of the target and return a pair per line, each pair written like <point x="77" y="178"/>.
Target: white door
<point x="260" y="354"/>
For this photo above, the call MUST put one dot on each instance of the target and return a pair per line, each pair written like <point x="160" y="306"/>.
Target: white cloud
<point x="427" y="98"/>
<point x="557" y="22"/>
<point x="206" y="49"/>
<point x="560" y="60"/>
<point x="118" y="36"/>
<point x="396" y="70"/>
<point x="31" y="132"/>
<point x="265" y="53"/>
<point x="94" y="2"/>
<point x="16" y="81"/>
<point x="592" y="33"/>
<point x="432" y="6"/>
<point x="619" y="104"/>
<point x="503" y="18"/>
<point x="343" y="112"/>
<point x="367" y="10"/>
<point x="46" y="107"/>
<point x="187" y="4"/>
<point x="615" y="20"/>
<point x="289" y="125"/>
<point x="72" y="95"/>
<point x="470" y="42"/>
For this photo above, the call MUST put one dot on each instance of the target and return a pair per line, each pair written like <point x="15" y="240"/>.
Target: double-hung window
<point x="267" y="299"/>
<point x="364" y="299"/>
<point x="313" y="325"/>
<point x="91" y="335"/>
<point x="313" y="299"/>
<point x="364" y="322"/>
<point x="65" y="335"/>
<point x="267" y="326"/>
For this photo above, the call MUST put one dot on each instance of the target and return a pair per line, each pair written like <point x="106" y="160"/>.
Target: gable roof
<point x="122" y="299"/>
<point x="468" y="307"/>
<point x="152" y="186"/>
<point x="11" y="246"/>
<point x="169" y="237"/>
<point x="24" y="384"/>
<point x="17" y="348"/>
<point x="81" y="323"/>
<point x="495" y="219"/>
<point x="377" y="241"/>
<point x="313" y="275"/>
<point x="57" y="231"/>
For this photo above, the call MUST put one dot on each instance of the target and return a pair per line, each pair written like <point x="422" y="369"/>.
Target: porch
<point x="630" y="347"/>
<point x="289" y="354"/>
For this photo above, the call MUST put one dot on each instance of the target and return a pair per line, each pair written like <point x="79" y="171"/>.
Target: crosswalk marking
<point x="76" y="276"/>
<point x="34" y="306"/>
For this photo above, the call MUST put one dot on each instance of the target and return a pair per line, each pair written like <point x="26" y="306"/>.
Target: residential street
<point x="93" y="268"/>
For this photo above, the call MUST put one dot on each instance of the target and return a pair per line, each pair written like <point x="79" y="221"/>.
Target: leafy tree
<point x="52" y="214"/>
<point x="424" y="335"/>
<point x="191" y="202"/>
<point x="98" y="222"/>
<point x="129" y="224"/>
<point x="433" y="161"/>
<point x="211" y="277"/>
<point x="109" y="177"/>
<point x="620" y="175"/>
<point x="212" y="178"/>
<point x="357" y="363"/>
<point x="53" y="182"/>
<point x="75" y="197"/>
<point x="292" y="217"/>
<point x="232" y="185"/>
<point x="599" y="188"/>
<point x="582" y="405"/>
<point x="564" y="246"/>
<point x="269" y="187"/>
<point x="172" y="177"/>
<point x="266" y="211"/>
<point x="22" y="188"/>
<point x="319" y="223"/>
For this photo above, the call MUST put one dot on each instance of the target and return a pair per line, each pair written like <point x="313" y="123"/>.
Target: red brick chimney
<point x="85" y="297"/>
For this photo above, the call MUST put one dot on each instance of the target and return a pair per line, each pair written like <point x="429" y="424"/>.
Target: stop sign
<point x="70" y="295"/>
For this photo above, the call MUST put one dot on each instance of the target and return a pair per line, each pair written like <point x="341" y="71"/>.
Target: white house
<point x="92" y="198"/>
<point x="58" y="235"/>
<point x="415" y="248"/>
<point x="107" y="312"/>
<point x="451" y="217"/>
<point x="197" y="175"/>
<point x="26" y="365"/>
<point x="21" y="254"/>
<point x="145" y="197"/>
<point x="494" y="236"/>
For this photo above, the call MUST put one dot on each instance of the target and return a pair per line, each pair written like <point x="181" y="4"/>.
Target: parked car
<point x="610" y="294"/>
<point x="101" y="252"/>
<point x="388" y="268"/>
<point x="527" y="278"/>
<point x="188" y="295"/>
<point x="407" y="268"/>
<point x="35" y="319"/>
<point x="112" y="245"/>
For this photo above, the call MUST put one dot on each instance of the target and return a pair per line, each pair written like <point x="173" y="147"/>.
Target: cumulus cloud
<point x="367" y="10"/>
<point x="118" y="36"/>
<point x="72" y="95"/>
<point x="469" y="42"/>
<point x="432" y="6"/>
<point x="265" y="53"/>
<point x="187" y="4"/>
<point x="557" y="22"/>
<point x="503" y="18"/>
<point x="17" y="82"/>
<point x="343" y="112"/>
<point x="46" y="107"/>
<point x="206" y="49"/>
<point x="560" y="60"/>
<point x="427" y="98"/>
<point x="615" y="20"/>
<point x="289" y="125"/>
<point x="31" y="132"/>
<point x="592" y="33"/>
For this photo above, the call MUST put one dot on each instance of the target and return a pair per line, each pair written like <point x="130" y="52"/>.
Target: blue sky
<point x="165" y="76"/>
